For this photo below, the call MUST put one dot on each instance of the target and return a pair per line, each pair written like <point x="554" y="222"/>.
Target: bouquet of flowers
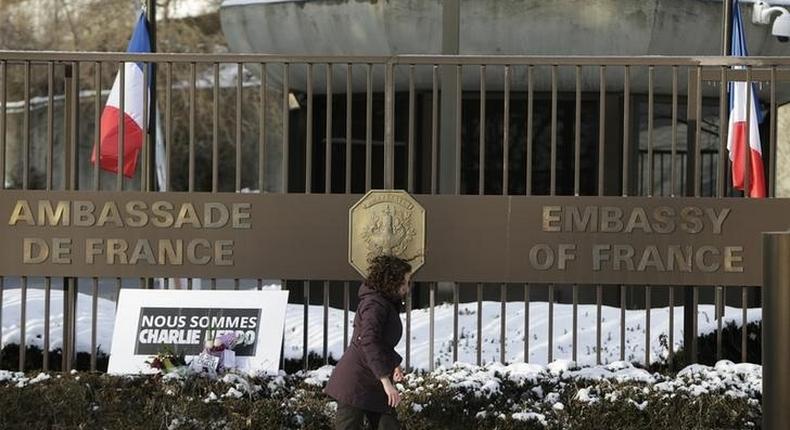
<point x="217" y="355"/>
<point x="167" y="361"/>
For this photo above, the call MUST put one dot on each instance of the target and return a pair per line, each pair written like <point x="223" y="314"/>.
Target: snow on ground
<point x="514" y="347"/>
<point x="34" y="326"/>
<point x="420" y="318"/>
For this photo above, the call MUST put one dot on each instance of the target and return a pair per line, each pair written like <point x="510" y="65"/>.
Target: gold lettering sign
<point x="473" y="239"/>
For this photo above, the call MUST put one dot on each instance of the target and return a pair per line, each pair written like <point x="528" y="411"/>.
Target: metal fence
<point x="509" y="125"/>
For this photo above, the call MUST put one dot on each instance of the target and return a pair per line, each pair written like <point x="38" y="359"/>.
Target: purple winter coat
<point x="370" y="355"/>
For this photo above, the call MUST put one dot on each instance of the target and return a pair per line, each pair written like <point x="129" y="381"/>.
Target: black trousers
<point x="350" y="418"/>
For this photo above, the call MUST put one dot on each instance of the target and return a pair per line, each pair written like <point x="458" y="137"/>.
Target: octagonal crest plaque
<point x="386" y="222"/>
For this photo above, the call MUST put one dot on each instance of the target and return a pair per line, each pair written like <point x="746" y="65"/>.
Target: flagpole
<point x="726" y="35"/>
<point x="726" y="26"/>
<point x="151" y="180"/>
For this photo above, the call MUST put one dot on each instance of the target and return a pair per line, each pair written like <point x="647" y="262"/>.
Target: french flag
<point x="132" y="114"/>
<point x="738" y="136"/>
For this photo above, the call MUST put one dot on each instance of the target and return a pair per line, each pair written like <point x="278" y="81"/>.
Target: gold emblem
<point x="386" y="222"/>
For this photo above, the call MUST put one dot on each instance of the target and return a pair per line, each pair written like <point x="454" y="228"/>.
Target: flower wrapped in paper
<point x="217" y="355"/>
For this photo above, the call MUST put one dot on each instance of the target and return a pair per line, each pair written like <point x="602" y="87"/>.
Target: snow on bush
<point x="558" y="395"/>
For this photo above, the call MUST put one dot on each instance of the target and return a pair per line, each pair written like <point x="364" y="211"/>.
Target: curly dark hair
<point x="386" y="274"/>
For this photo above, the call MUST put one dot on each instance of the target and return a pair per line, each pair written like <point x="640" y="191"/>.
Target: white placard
<point x="149" y="320"/>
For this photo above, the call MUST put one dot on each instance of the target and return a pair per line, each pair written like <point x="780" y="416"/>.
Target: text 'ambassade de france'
<point x="133" y="214"/>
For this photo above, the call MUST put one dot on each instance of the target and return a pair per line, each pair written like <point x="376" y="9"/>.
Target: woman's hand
<point x="397" y="374"/>
<point x="393" y="397"/>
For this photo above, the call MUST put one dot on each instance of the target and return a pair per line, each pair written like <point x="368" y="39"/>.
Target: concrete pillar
<point x="782" y="151"/>
<point x="776" y="329"/>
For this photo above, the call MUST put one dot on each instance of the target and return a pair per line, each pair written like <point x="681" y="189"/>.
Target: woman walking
<point x="363" y="380"/>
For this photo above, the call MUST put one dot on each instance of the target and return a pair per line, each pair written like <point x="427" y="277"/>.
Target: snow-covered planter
<point x="516" y="396"/>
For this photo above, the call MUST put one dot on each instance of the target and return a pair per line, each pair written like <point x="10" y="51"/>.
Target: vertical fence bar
<point x="698" y="135"/>
<point x="622" y="321"/>
<point x="119" y="284"/>
<point x="673" y="161"/>
<point x="389" y="128"/>
<point x="506" y="133"/>
<point x="577" y="132"/>
<point x="744" y="334"/>
<point x="346" y="305"/>
<point x="526" y="322"/>
<point x="25" y="185"/>
<point x="671" y="342"/>
<point x="71" y="137"/>
<point x="550" y="340"/>
<point x="262" y="106"/>
<point x="530" y="106"/>
<point x="458" y="117"/>
<point x="22" y="323"/>
<point x="553" y="166"/>
<point x="432" y="327"/>
<point x="695" y="323"/>
<point x="326" y="322"/>
<point x="434" y="128"/>
<point x="47" y="319"/>
<point x="479" y="337"/>
<point x="26" y="131"/>
<point x="239" y="98"/>
<point x="286" y="115"/>
<point x="502" y="322"/>
<point x="650" y="133"/>
<point x="410" y="149"/>
<point x="3" y="122"/>
<point x="408" y="327"/>
<point x="349" y="131"/>
<point x="97" y="108"/>
<point x="626" y="126"/>
<point x="51" y="124"/>
<point x="647" y="325"/>
<point x="455" y="322"/>
<point x="328" y="138"/>
<point x="575" y="331"/>
<point x="598" y="305"/>
<point x="368" y="127"/>
<point x="308" y="149"/>
<point x="481" y="180"/>
<point x="772" y="137"/>
<point x="283" y="285"/>
<point x="168" y="124"/>
<point x="145" y="150"/>
<point x="719" y="320"/>
<point x="121" y="125"/>
<point x="723" y="120"/>
<point x="305" y="324"/>
<point x="192" y="79"/>
<point x="601" y="127"/>
<point x="215" y="131"/>
<point x="94" y="321"/>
